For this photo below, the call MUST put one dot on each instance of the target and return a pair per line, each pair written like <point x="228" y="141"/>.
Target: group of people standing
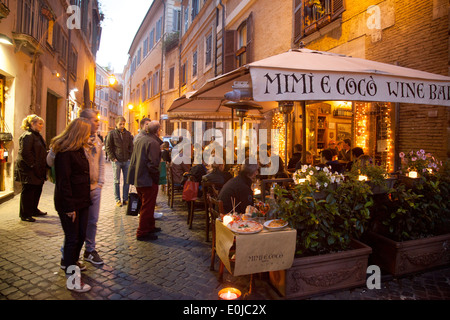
<point x="78" y="159"/>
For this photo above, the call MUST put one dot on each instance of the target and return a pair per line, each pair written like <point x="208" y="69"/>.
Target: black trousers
<point x="29" y="199"/>
<point x="75" y="234"/>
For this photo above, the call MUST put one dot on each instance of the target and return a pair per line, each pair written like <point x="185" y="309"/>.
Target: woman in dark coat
<point x="72" y="190"/>
<point x="31" y="167"/>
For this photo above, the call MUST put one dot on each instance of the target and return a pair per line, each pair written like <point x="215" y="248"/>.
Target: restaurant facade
<point x="217" y="37"/>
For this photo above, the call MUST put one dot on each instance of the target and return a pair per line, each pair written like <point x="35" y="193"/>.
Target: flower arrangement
<point x="419" y="161"/>
<point x="318" y="177"/>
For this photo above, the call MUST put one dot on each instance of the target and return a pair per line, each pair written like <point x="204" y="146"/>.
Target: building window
<point x="144" y="91"/>
<point x="208" y="50"/>
<point x="176" y="23"/>
<point x="195" y="8"/>
<point x="186" y="19"/>
<point x="194" y="64"/>
<point x="73" y="62"/>
<point x="158" y="29"/>
<point x="151" y="39"/>
<point x="156" y="83"/>
<point x="139" y="56"/>
<point x="310" y="16"/>
<point x="242" y="45"/>
<point x="183" y="74"/>
<point x="172" y="78"/>
<point x="145" y="47"/>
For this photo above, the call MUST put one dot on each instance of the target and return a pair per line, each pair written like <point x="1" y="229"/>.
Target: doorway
<point x="51" y="117"/>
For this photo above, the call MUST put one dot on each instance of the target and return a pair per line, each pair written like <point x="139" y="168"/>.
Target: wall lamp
<point x="6" y="40"/>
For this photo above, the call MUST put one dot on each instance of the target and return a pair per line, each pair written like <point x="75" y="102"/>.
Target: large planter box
<point x="320" y="274"/>
<point x="400" y="258"/>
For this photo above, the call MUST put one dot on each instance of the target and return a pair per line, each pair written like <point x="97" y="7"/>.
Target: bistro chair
<point x="215" y="208"/>
<point x="191" y="207"/>
<point x="211" y="189"/>
<point x="172" y="188"/>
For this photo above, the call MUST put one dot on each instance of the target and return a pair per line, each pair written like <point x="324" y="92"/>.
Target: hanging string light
<point x="278" y="123"/>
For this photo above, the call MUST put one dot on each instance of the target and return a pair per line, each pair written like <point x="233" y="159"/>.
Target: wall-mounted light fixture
<point x="6" y="40"/>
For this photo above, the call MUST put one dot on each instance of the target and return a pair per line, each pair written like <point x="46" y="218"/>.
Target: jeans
<point x="75" y="234"/>
<point x="94" y="210"/>
<point x="117" y="167"/>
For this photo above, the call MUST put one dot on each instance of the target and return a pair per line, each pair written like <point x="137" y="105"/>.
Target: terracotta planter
<point x="400" y="258"/>
<point x="314" y="275"/>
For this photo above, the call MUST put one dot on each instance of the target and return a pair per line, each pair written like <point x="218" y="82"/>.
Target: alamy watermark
<point x="249" y="144"/>
<point x="74" y="20"/>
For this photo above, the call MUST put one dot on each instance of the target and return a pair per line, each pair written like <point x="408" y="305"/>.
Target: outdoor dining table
<point x="254" y="253"/>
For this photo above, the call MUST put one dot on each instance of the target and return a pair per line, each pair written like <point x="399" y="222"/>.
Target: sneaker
<point x="80" y="265"/>
<point x="84" y="287"/>
<point x="119" y="203"/>
<point x="125" y="203"/>
<point x="148" y="236"/>
<point x="93" y="257"/>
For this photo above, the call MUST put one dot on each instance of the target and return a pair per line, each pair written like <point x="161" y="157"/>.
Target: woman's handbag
<point x="134" y="204"/>
<point x="190" y="190"/>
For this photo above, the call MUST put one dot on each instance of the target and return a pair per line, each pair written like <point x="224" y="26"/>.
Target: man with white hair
<point x="143" y="173"/>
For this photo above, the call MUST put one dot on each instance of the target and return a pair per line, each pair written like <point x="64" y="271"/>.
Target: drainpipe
<point x="161" y="107"/>
<point x="179" y="51"/>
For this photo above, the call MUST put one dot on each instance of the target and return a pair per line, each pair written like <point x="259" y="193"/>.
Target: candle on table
<point x="229" y="294"/>
<point x="362" y="178"/>
<point x="412" y="174"/>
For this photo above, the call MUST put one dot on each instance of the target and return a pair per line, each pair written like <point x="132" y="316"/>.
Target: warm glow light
<point x="412" y="174"/>
<point x="227" y="220"/>
<point x="112" y="80"/>
<point x="362" y="178"/>
<point x="229" y="294"/>
<point x="5" y="40"/>
<point x="130" y="106"/>
<point x="256" y="191"/>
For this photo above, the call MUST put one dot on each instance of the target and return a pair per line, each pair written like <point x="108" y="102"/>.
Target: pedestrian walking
<point x="96" y="158"/>
<point x="72" y="192"/>
<point x="144" y="175"/>
<point x="119" y="147"/>
<point x="31" y="167"/>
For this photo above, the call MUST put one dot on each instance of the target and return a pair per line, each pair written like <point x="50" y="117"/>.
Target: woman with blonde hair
<point x="72" y="193"/>
<point x="31" y="167"/>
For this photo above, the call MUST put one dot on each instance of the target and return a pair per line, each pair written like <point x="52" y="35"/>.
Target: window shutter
<point x="338" y="8"/>
<point x="229" y="60"/>
<point x="250" y="36"/>
<point x="298" y="21"/>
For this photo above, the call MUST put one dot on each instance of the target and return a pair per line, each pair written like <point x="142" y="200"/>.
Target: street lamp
<point x="111" y="82"/>
<point x="5" y="39"/>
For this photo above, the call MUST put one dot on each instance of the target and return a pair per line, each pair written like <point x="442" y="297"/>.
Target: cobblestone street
<point x="174" y="267"/>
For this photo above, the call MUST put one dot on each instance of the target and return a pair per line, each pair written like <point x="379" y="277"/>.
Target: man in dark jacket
<point x="239" y="189"/>
<point x="119" y="147"/>
<point x="144" y="175"/>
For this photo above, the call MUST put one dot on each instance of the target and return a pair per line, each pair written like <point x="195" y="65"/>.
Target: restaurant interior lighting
<point x="5" y="39"/>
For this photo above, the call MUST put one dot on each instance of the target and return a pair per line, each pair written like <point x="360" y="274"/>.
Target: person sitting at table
<point x="296" y="156"/>
<point x="327" y="159"/>
<point x="238" y="191"/>
<point x="332" y="147"/>
<point x="346" y="150"/>
<point x="281" y="173"/>
<point x="217" y="175"/>
<point x="178" y="170"/>
<point x="357" y="153"/>
<point x="309" y="161"/>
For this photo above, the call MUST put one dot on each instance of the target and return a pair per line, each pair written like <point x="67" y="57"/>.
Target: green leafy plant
<point x="327" y="223"/>
<point x="419" y="211"/>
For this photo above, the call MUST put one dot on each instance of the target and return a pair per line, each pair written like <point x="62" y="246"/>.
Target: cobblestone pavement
<point x="174" y="267"/>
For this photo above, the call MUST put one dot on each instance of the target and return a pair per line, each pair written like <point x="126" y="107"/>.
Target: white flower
<point x="333" y="178"/>
<point x="317" y="185"/>
<point x="325" y="170"/>
<point x="325" y="184"/>
<point x="311" y="173"/>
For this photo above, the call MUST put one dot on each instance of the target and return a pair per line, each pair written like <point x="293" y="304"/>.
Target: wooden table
<point x="254" y="253"/>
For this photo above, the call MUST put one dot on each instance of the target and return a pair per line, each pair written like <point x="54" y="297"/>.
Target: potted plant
<point x="413" y="231"/>
<point x="328" y="254"/>
<point x="375" y="176"/>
